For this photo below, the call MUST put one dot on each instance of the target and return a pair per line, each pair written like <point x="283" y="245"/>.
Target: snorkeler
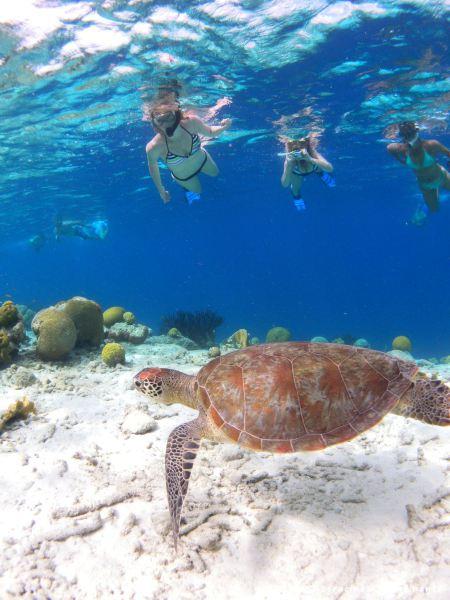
<point x="37" y="241"/>
<point x="177" y="143"/>
<point x="302" y="159"/>
<point x="93" y="230"/>
<point x="420" y="155"/>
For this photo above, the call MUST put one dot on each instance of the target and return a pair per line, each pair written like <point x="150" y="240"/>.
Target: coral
<point x="9" y="315"/>
<point x="87" y="318"/>
<point x="113" y="354"/>
<point x="361" y="343"/>
<point x="5" y="350"/>
<point x="401" y="342"/>
<point x="319" y="339"/>
<point x="254" y="341"/>
<point x="278" y="334"/>
<point x="129" y="318"/>
<point x="199" y="326"/>
<point x="214" y="351"/>
<point x="174" y="332"/>
<point x="338" y="340"/>
<point x="135" y="334"/>
<point x="239" y="339"/>
<point x="56" y="333"/>
<point x="17" y="410"/>
<point x="445" y="360"/>
<point x="113" y="315"/>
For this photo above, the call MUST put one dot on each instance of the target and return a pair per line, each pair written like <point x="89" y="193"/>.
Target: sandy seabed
<point x="84" y="514"/>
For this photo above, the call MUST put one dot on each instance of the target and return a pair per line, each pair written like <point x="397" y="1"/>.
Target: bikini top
<point x="296" y="171"/>
<point x="428" y="161"/>
<point x="175" y="159"/>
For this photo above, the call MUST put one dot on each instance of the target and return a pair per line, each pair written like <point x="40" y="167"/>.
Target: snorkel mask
<point x="409" y="132"/>
<point x="296" y="147"/>
<point x="167" y="121"/>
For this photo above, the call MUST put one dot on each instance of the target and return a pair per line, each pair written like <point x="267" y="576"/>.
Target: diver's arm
<point x="396" y="150"/>
<point x="287" y="172"/>
<point x="321" y="162"/>
<point x="439" y="148"/>
<point x="197" y="126"/>
<point x="153" y="154"/>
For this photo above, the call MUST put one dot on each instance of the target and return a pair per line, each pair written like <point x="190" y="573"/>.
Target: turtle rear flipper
<point x="181" y="450"/>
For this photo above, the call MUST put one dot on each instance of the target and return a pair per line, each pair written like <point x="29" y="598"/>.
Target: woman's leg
<point x="431" y="198"/>
<point x="209" y="168"/>
<point x="192" y="185"/>
<point x="446" y="182"/>
<point x="296" y="186"/>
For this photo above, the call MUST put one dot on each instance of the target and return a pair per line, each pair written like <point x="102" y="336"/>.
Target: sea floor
<point x="84" y="514"/>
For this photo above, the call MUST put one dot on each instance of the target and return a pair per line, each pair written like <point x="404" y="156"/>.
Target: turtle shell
<point x="294" y="396"/>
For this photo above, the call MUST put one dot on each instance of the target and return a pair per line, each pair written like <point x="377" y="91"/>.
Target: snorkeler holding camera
<point x="301" y="160"/>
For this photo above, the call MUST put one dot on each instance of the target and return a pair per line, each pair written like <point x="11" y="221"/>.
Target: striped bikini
<point x="176" y="159"/>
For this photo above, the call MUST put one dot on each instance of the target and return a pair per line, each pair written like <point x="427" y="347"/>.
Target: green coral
<point x="129" y="317"/>
<point x="56" y="333"/>
<point x="113" y="315"/>
<point x="9" y="315"/>
<point x="401" y="342"/>
<point x="113" y="354"/>
<point x="278" y="334"/>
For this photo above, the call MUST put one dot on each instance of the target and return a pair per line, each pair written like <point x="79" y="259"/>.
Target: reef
<point x="113" y="315"/>
<point x="401" y="342"/>
<point x="87" y="318"/>
<point x="56" y="334"/>
<point x="198" y="326"/>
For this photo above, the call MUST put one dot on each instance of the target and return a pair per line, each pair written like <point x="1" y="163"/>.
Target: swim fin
<point x="328" y="179"/>
<point x="299" y="204"/>
<point x="192" y="197"/>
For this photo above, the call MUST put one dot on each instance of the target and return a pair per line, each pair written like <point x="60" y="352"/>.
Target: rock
<point x="401" y="354"/>
<point x="138" y="422"/>
<point x="23" y="378"/>
<point x="123" y="332"/>
<point x="182" y="341"/>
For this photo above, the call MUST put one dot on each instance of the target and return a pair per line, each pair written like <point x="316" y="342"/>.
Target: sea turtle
<point x="287" y="397"/>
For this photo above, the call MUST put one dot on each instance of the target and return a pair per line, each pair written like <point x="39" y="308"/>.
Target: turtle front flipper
<point x="181" y="450"/>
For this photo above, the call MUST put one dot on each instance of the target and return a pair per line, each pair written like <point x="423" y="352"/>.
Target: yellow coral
<point x="401" y="342"/>
<point x="17" y="410"/>
<point x="173" y="332"/>
<point x="240" y="338"/>
<point x="128" y="317"/>
<point x="9" y="314"/>
<point x="113" y="315"/>
<point x="113" y="354"/>
<point x="5" y="356"/>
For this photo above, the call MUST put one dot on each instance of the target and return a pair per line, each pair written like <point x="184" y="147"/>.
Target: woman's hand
<point x="165" y="196"/>
<point x="225" y="124"/>
<point x="305" y="156"/>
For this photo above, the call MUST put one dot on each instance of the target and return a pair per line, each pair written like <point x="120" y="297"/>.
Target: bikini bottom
<point x="195" y="172"/>
<point x="435" y="184"/>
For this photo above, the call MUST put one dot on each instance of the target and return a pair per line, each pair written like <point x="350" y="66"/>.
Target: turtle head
<point x="165" y="385"/>
<point x="429" y="401"/>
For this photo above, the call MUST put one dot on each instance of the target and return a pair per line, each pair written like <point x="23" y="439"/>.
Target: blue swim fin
<point x="192" y="197"/>
<point x="299" y="204"/>
<point x="328" y="179"/>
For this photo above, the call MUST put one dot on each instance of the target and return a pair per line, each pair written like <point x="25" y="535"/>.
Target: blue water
<point x="73" y="144"/>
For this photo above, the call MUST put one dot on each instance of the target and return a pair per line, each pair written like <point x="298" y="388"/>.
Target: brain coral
<point x="56" y="333"/>
<point x="401" y="342"/>
<point x="87" y="317"/>
<point x="113" y="315"/>
<point x="113" y="354"/>
<point x="278" y="334"/>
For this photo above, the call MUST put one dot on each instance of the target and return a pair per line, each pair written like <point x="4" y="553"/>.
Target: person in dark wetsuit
<point x="420" y="155"/>
<point x="301" y="160"/>
<point x="177" y="143"/>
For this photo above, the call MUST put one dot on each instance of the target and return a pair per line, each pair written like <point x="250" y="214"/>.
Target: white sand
<point x="84" y="515"/>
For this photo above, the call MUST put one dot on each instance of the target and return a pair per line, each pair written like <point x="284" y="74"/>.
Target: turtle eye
<point x="137" y="383"/>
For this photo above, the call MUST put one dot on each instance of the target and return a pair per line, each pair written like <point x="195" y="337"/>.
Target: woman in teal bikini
<point x="420" y="155"/>
<point x="177" y="143"/>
